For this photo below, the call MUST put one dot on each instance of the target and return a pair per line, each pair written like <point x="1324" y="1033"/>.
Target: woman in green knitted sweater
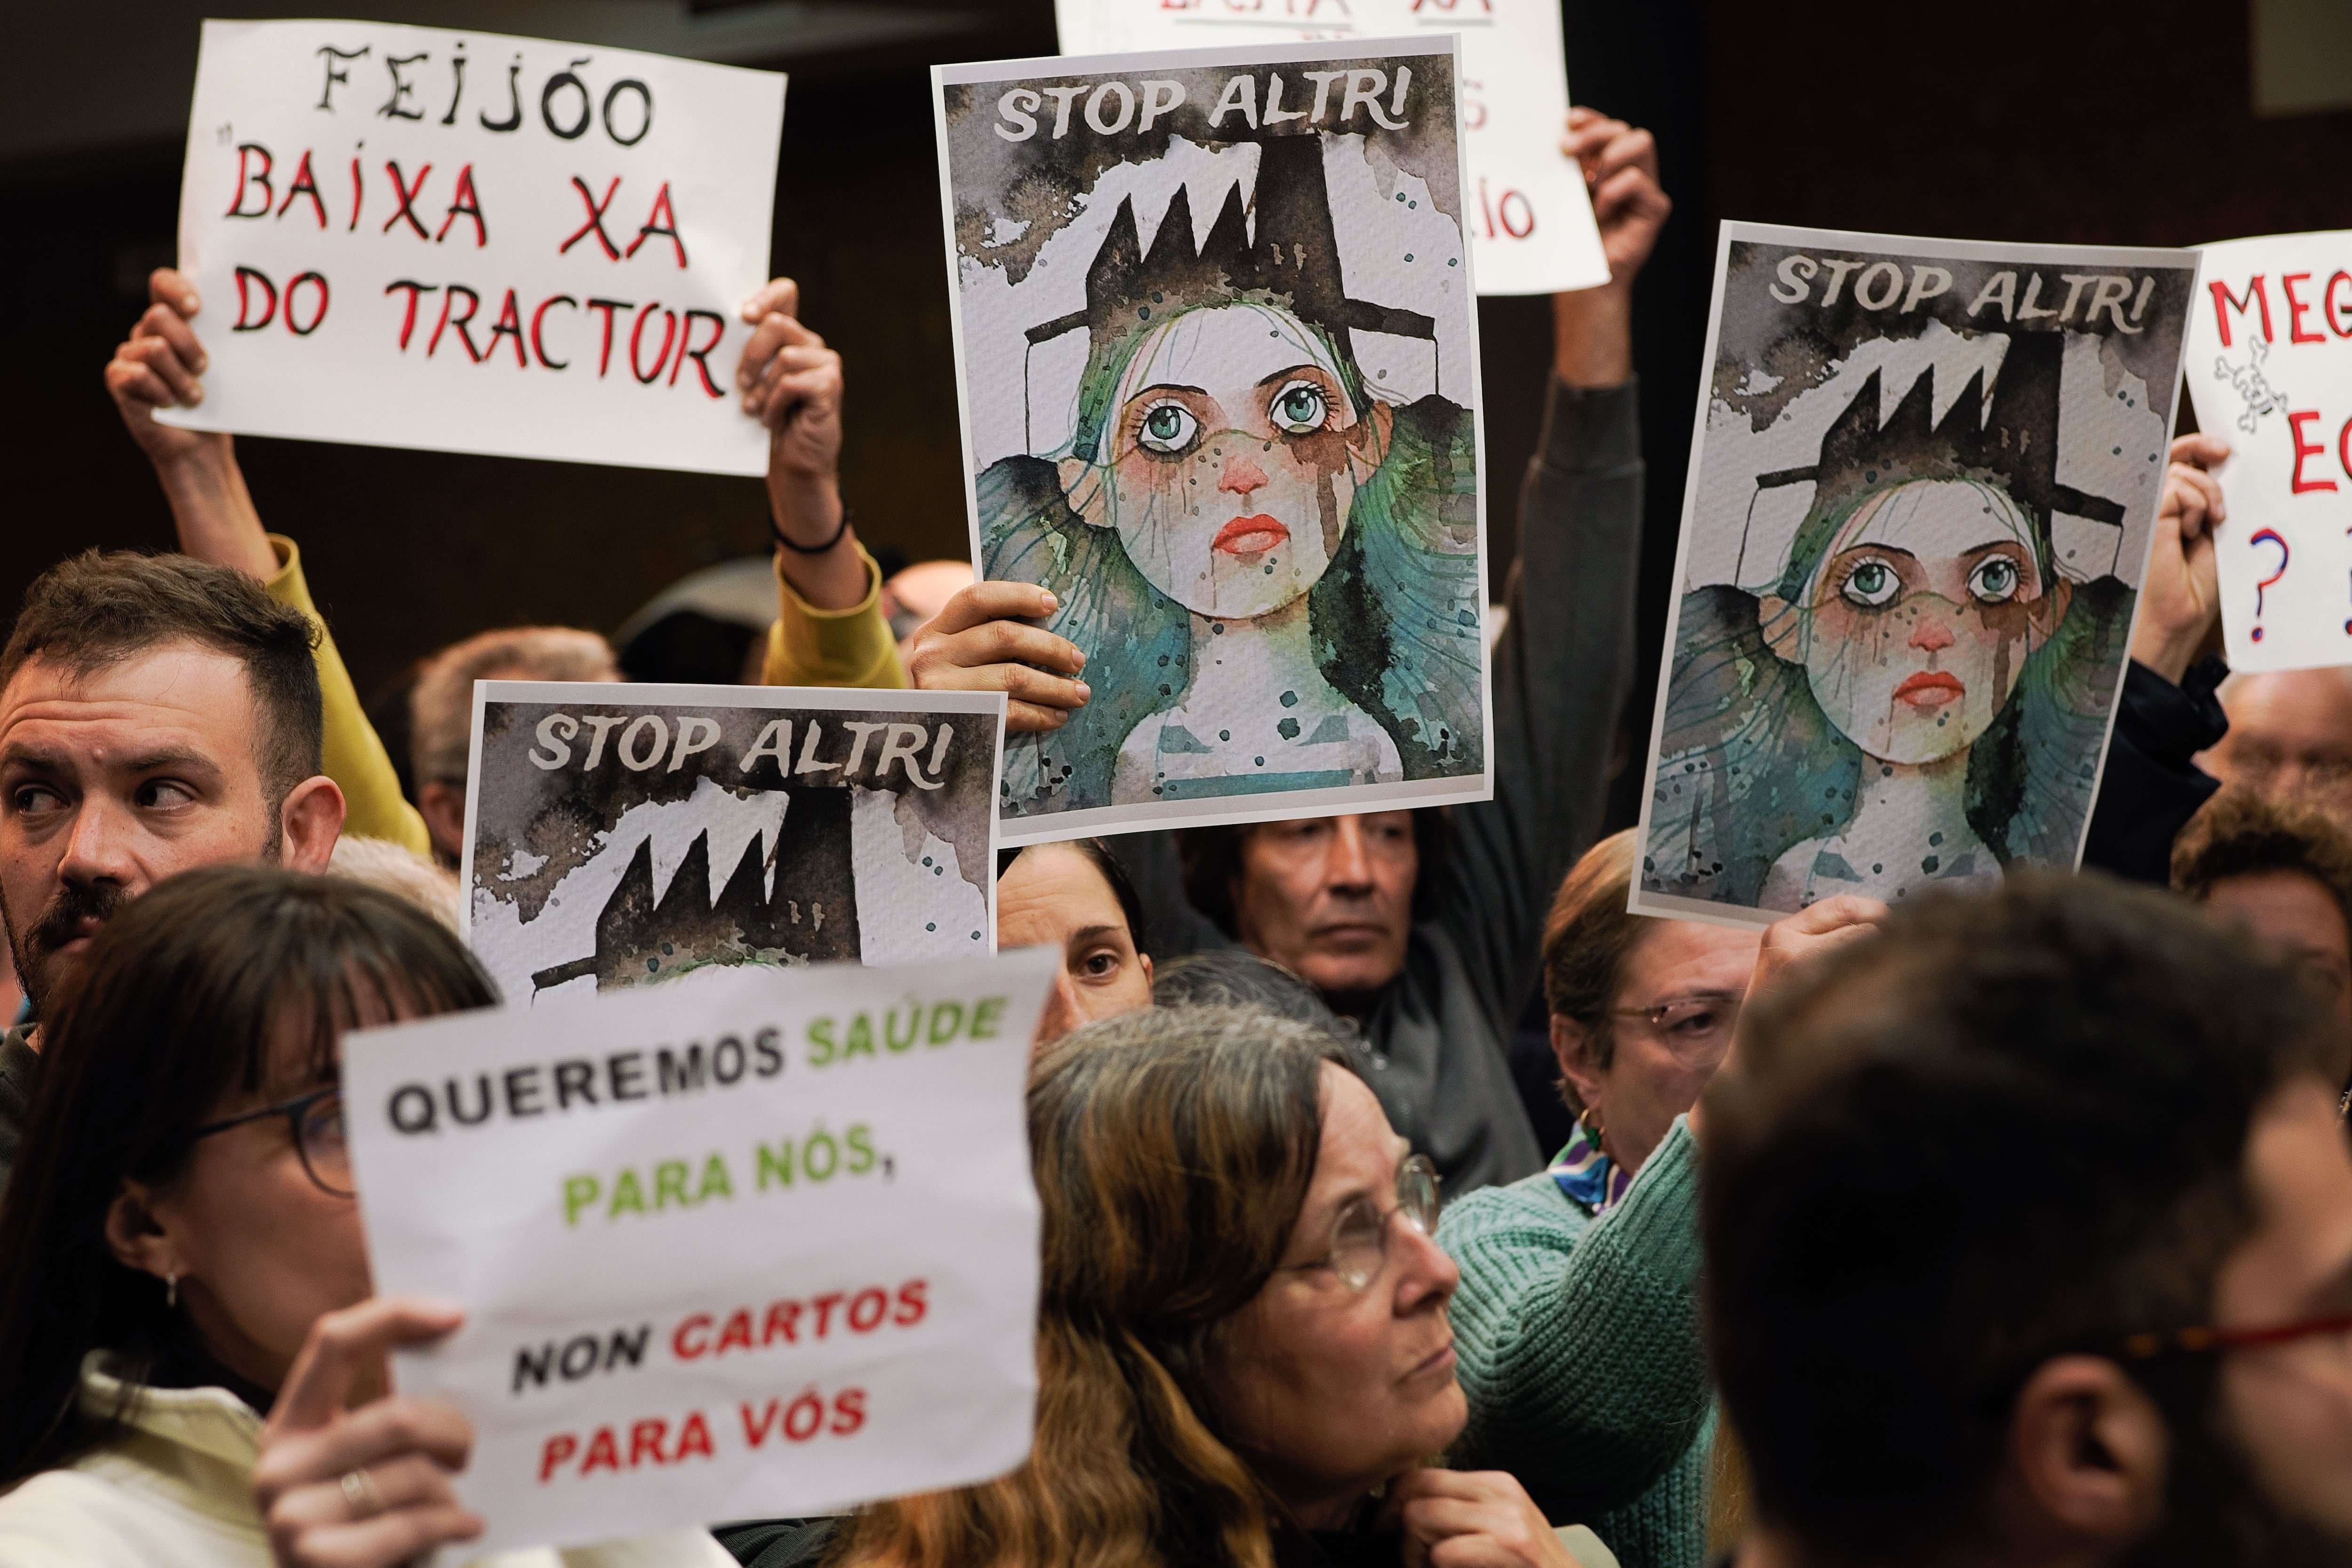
<point x="1578" y="1320"/>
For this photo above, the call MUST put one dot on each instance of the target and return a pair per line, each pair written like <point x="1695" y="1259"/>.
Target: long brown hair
<point x="1174" y="1148"/>
<point x="178" y="1003"/>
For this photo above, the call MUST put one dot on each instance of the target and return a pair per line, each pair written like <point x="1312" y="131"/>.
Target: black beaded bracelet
<point x="811" y="549"/>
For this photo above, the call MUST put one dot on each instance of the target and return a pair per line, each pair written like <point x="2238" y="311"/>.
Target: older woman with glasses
<point x="1243" y="1352"/>
<point x="181" y="1221"/>
<point x="1577" y="1316"/>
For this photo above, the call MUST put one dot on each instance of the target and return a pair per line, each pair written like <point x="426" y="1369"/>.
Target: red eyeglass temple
<point x="2142" y="1347"/>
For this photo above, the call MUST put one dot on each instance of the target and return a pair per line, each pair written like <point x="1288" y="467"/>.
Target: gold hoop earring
<point x="1592" y="1125"/>
<point x="171" y="1291"/>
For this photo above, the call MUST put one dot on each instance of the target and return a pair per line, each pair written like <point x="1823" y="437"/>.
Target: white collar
<point x="211" y="1421"/>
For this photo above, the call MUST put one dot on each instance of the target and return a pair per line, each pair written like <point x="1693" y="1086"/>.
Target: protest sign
<point x="1531" y="228"/>
<point x="1217" y="353"/>
<point x="621" y="835"/>
<point x="411" y="238"/>
<point x="1924" y="481"/>
<point x="761" y="1247"/>
<point x="2270" y="373"/>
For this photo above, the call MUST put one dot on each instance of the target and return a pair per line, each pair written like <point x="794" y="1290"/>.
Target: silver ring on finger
<point x="360" y="1494"/>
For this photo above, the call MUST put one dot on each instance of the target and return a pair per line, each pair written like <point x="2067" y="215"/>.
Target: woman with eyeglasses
<point x="1243" y="1352"/>
<point x="1578" y="1316"/>
<point x="181" y="1219"/>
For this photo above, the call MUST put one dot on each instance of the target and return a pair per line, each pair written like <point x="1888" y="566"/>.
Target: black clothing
<point x="2151" y="788"/>
<point x="20" y="1067"/>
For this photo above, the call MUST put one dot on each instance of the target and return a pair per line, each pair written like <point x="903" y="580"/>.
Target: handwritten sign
<point x="2270" y="371"/>
<point x="467" y="242"/>
<point x="622" y="836"/>
<point x="757" y="1247"/>
<point x="1530" y="221"/>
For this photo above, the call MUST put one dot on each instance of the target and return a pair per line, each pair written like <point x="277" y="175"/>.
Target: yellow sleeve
<point x="355" y="758"/>
<point x="809" y="647"/>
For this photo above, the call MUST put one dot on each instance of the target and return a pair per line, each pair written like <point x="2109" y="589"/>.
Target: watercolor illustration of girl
<point x="1272" y="570"/>
<point x="1921" y="696"/>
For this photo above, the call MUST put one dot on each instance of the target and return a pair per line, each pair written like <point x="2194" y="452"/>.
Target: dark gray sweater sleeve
<point x="1561" y="669"/>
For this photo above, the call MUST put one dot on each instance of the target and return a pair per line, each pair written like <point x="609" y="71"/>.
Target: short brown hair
<point x="100" y="608"/>
<point x="2002" y="1128"/>
<point x="441" y="708"/>
<point x="2242" y="834"/>
<point x="183" y="999"/>
<point x="1586" y="937"/>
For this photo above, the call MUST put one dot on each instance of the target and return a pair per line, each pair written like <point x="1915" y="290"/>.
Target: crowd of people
<point x="2001" y="1227"/>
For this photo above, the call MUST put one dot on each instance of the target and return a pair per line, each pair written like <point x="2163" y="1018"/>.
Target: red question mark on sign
<point x="2271" y="535"/>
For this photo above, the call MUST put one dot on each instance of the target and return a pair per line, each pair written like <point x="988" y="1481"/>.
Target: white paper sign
<point x="2270" y="371"/>
<point x="762" y="1247"/>
<point x="473" y="243"/>
<point x="1530" y="221"/>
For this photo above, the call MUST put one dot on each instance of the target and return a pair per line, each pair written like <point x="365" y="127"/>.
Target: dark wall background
<point x="2094" y="120"/>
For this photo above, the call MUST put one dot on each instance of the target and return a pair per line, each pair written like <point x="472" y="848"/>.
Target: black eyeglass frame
<point x="294" y="1110"/>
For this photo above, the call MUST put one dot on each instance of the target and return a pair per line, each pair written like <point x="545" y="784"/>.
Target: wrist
<point x="2168" y="653"/>
<point x="804" y="510"/>
<point x="1593" y="335"/>
<point x="202" y="466"/>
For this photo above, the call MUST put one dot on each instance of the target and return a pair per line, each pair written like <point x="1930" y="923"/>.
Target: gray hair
<point x="442" y="707"/>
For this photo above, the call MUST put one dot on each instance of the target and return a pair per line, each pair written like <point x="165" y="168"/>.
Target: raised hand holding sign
<point x="758" y="1245"/>
<point x="2269" y="374"/>
<point x="476" y="243"/>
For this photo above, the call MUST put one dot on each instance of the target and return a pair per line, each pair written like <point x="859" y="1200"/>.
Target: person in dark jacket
<point x="2152" y="785"/>
<point x="1426" y="928"/>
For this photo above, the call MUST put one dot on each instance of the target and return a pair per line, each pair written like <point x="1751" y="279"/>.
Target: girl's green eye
<point x="1994" y="581"/>
<point x="1166" y="428"/>
<point x="1871" y="585"/>
<point x="1299" y="408"/>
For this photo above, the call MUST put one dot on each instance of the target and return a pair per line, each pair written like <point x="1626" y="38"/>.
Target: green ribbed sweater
<point x="1580" y="1350"/>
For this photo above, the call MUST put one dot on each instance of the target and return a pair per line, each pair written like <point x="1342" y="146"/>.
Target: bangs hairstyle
<point x="226" y="987"/>
<point x="1173" y="1149"/>
<point x="99" y="609"/>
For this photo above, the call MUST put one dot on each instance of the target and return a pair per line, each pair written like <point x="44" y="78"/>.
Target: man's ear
<point x="137" y="1237"/>
<point x="2086" y="1456"/>
<point x="442" y="804"/>
<point x="1783" y="626"/>
<point x="309" y="822"/>
<point x="1086" y="485"/>
<point x="1571" y="1047"/>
